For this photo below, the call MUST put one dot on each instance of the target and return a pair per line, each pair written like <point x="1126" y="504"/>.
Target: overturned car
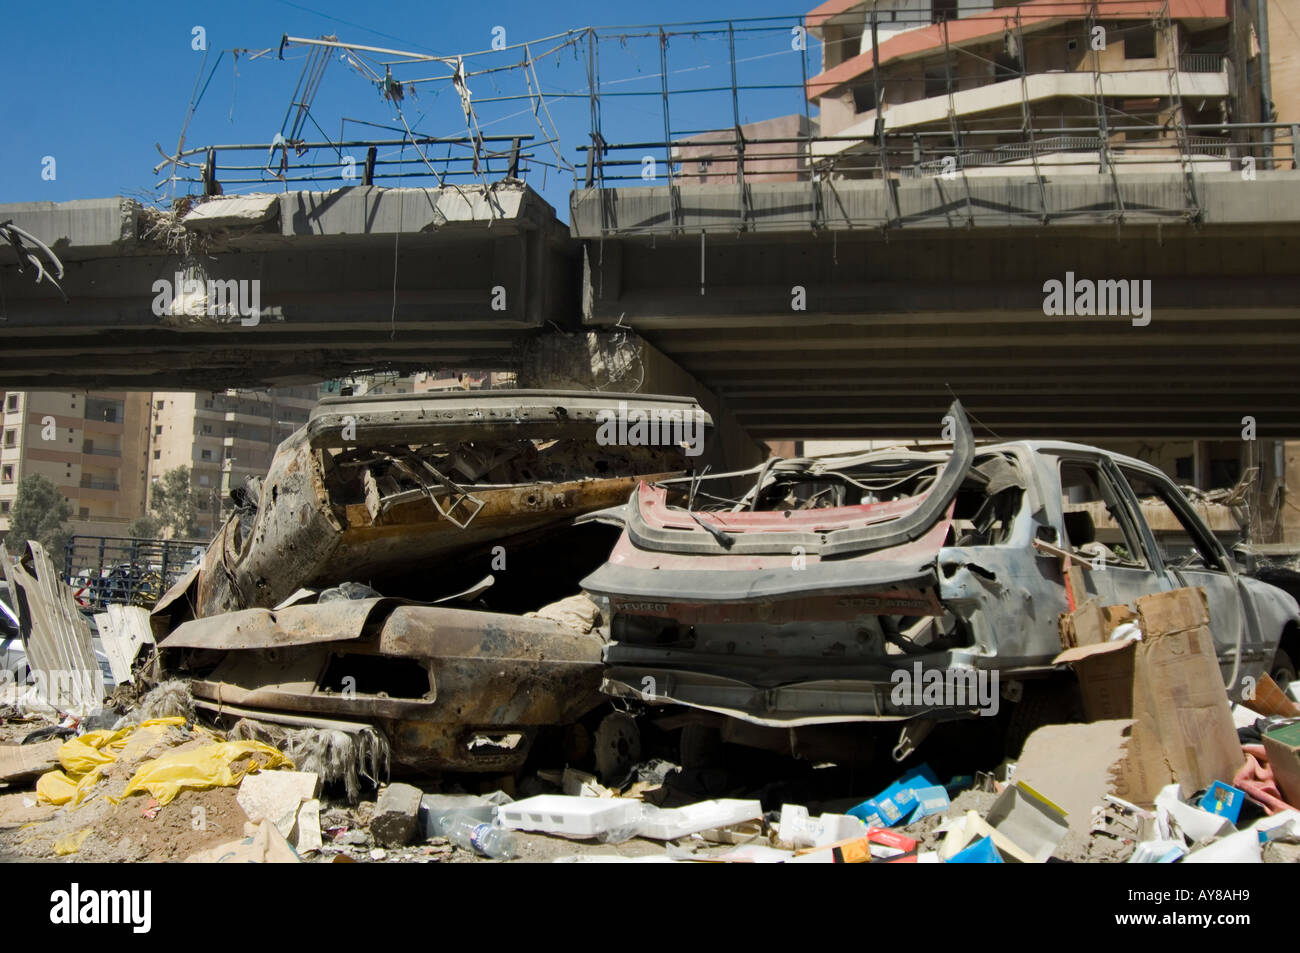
<point x="378" y="577"/>
<point x="818" y="597"/>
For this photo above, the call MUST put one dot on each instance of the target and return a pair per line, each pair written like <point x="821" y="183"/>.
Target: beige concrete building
<point x="1283" y="36"/>
<point x="773" y="153"/>
<point x="91" y="445"/>
<point x="1103" y="82"/>
<point x="223" y="437"/>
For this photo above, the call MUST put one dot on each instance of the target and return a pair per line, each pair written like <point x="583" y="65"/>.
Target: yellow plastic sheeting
<point x="85" y="757"/>
<point x="70" y="843"/>
<point x="211" y="766"/>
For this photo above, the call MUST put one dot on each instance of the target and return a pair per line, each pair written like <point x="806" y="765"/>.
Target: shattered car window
<point x="1095" y="519"/>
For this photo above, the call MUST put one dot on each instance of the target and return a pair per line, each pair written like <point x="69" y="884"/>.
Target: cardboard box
<point x="1224" y="800"/>
<point x="1282" y="745"/>
<point x="1029" y="820"/>
<point x="1171" y="686"/>
<point x="1092" y="623"/>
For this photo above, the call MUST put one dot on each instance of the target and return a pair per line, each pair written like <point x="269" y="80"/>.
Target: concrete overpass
<point x="831" y="308"/>
<point x="351" y="279"/>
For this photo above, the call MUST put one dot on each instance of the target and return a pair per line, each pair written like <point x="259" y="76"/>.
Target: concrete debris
<point x="277" y="796"/>
<point x="397" y="815"/>
<point x="686" y="693"/>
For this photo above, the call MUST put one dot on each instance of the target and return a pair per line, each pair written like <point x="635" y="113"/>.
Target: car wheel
<point x="1282" y="670"/>
<point x="617" y="746"/>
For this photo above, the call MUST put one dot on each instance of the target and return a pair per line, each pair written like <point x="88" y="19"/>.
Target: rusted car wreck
<point x="784" y="617"/>
<point x="440" y="503"/>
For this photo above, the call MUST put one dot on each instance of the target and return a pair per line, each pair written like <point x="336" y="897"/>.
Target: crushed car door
<point x="1192" y="556"/>
<point x="1100" y="527"/>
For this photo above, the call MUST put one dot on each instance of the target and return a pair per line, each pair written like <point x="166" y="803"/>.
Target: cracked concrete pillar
<point x="623" y="361"/>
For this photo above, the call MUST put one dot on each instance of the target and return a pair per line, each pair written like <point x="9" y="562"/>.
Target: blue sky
<point x="96" y="85"/>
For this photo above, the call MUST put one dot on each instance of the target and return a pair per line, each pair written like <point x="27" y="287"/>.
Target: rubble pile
<point x="383" y="657"/>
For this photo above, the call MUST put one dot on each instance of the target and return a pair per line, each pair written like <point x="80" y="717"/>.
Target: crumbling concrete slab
<point x="397" y="813"/>
<point x="276" y="796"/>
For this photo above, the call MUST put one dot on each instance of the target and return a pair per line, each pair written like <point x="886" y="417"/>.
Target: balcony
<point x="101" y="451"/>
<point x="87" y="483"/>
<point x="1201" y="63"/>
<point x="1010" y="94"/>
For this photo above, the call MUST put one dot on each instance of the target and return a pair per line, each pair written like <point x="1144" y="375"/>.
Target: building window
<point x="1140" y="43"/>
<point x="230" y="453"/>
<point x="207" y="428"/>
<point x="157" y="454"/>
<point x="7" y="474"/>
<point x="205" y="454"/>
<point x="157" y="430"/>
<point x="11" y="402"/>
<point x="159" y="405"/>
<point x="204" y="479"/>
<point x="936" y="83"/>
<point x="207" y="405"/>
<point x="11" y="438"/>
<point x="941" y="10"/>
<point x="4" y="506"/>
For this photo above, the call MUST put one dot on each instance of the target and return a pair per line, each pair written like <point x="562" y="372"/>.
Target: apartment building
<point x="90" y="445"/>
<point x="977" y="85"/>
<point x="223" y="437"/>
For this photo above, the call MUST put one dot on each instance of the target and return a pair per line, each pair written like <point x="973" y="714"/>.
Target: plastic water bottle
<point x="472" y="834"/>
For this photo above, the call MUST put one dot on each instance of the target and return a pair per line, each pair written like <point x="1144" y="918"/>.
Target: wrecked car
<point x="799" y="608"/>
<point x="379" y="489"/>
<point x="377" y="577"/>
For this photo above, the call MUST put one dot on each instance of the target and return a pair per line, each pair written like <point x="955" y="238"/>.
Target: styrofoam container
<point x="670" y="823"/>
<point x="565" y="814"/>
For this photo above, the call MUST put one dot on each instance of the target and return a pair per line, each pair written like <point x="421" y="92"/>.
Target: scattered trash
<point x="573" y="816"/>
<point x="223" y="764"/>
<point x="1029" y="820"/>
<point x="261" y="844"/>
<point x="659" y="823"/>
<point x="1224" y="800"/>
<point x="898" y="801"/>
<point x="982" y="851"/>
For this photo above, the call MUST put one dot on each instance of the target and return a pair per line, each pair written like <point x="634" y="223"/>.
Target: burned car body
<point x="800" y="603"/>
<point x="450" y="688"/>
<point x="371" y="487"/>
<point x="453" y="507"/>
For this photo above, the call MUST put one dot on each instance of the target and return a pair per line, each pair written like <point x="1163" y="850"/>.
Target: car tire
<point x="1282" y="670"/>
<point x="617" y="747"/>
